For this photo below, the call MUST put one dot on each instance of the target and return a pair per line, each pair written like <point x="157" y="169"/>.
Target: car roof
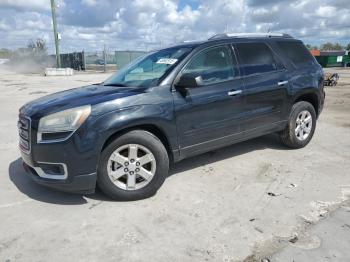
<point x="232" y="38"/>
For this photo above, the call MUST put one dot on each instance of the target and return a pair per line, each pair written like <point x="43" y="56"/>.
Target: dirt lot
<point x="242" y="203"/>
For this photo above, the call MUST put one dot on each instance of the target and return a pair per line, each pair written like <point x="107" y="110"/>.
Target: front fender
<point x="126" y="118"/>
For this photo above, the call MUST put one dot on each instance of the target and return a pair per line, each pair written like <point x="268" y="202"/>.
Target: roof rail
<point x="189" y="41"/>
<point x="247" y="35"/>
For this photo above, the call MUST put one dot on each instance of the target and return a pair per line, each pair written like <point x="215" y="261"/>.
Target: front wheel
<point x="301" y="125"/>
<point x="133" y="166"/>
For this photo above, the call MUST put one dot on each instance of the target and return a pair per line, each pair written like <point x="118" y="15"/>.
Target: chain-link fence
<point x="109" y="60"/>
<point x="100" y="61"/>
<point x="122" y="58"/>
<point x="73" y="60"/>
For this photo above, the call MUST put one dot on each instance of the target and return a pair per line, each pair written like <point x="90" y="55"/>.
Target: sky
<point x="148" y="24"/>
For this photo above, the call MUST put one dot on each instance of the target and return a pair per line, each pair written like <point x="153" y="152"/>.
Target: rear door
<point x="265" y="81"/>
<point x="208" y="114"/>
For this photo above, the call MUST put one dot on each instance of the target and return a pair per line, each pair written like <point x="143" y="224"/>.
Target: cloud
<point x="255" y="3"/>
<point x="32" y="5"/>
<point x="89" y="2"/>
<point x="141" y="24"/>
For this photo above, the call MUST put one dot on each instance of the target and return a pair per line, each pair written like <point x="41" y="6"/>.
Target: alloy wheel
<point x="303" y="125"/>
<point x="131" y="167"/>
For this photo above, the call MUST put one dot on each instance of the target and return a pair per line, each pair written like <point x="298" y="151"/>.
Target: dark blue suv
<point x="168" y="105"/>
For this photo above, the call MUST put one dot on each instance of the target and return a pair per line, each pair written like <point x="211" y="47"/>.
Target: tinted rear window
<point x="296" y="52"/>
<point x="256" y="58"/>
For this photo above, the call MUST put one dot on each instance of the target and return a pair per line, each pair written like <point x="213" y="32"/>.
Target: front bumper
<point x="82" y="184"/>
<point x="69" y="165"/>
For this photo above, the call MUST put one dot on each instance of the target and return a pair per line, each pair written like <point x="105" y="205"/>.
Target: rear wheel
<point x="133" y="166"/>
<point x="301" y="125"/>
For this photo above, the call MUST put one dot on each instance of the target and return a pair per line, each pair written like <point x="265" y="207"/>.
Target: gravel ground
<point x="241" y="203"/>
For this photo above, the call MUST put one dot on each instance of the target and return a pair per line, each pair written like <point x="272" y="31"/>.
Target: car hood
<point x="86" y="95"/>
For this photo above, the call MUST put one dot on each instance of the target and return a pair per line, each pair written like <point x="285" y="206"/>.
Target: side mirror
<point x="188" y="80"/>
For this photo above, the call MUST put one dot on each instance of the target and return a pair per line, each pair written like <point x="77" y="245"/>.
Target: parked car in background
<point x="171" y="104"/>
<point x="99" y="62"/>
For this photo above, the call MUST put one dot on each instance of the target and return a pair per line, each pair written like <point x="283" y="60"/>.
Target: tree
<point x="37" y="47"/>
<point x="311" y="47"/>
<point x="5" y="53"/>
<point x="331" y="47"/>
<point x="347" y="47"/>
<point x="327" y="46"/>
<point x="338" y="46"/>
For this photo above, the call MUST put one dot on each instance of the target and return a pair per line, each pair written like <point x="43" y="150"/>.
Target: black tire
<point x="288" y="136"/>
<point x="152" y="143"/>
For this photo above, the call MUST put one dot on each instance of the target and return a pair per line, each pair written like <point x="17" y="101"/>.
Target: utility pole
<point x="53" y="10"/>
<point x="104" y="58"/>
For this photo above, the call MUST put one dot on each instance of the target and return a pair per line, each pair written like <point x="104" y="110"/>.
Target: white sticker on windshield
<point x="167" y="61"/>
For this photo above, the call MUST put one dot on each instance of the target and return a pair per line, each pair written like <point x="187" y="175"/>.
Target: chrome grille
<point x="24" y="134"/>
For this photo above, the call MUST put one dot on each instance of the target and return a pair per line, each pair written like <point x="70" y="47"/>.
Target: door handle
<point x="282" y="83"/>
<point x="234" y="92"/>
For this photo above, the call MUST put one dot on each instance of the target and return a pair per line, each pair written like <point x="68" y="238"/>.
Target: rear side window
<point x="256" y="58"/>
<point x="296" y="52"/>
<point x="214" y="65"/>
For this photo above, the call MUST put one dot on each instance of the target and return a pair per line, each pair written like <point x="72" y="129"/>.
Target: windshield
<point x="148" y="70"/>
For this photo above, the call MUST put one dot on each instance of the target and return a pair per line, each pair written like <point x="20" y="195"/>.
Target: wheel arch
<point x="151" y="128"/>
<point x="310" y="97"/>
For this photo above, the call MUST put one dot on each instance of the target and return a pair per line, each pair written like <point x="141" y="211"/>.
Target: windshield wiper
<point x="115" y="84"/>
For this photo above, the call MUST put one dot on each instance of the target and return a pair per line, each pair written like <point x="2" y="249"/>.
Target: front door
<point x="207" y="116"/>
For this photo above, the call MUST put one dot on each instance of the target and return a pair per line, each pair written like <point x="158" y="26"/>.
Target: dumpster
<point x="332" y="58"/>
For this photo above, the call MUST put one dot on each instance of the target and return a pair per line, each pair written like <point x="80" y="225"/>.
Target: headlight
<point x="67" y="120"/>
